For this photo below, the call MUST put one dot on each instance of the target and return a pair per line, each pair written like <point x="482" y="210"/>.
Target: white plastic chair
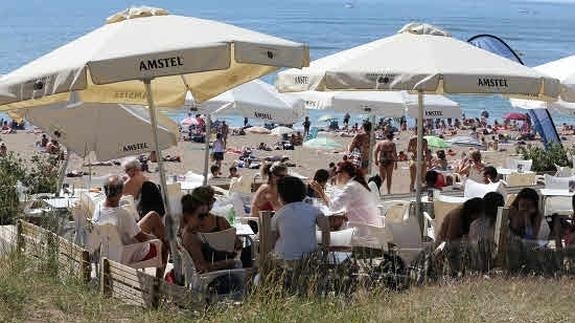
<point x="563" y="171"/>
<point x="513" y="163"/>
<point x="339" y="239"/>
<point x="406" y="234"/>
<point x="200" y="282"/>
<point x="243" y="184"/>
<point x="369" y="236"/>
<point x="560" y="183"/>
<point x="111" y="246"/>
<point x="395" y="210"/>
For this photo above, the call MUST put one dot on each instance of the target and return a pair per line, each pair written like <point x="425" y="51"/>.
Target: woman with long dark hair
<point x="356" y="197"/>
<point x="525" y="219"/>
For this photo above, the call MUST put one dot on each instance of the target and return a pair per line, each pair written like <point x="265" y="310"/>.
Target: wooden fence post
<point x="265" y="238"/>
<point x="105" y="282"/>
<point x="19" y="236"/>
<point x="86" y="267"/>
<point x="501" y="236"/>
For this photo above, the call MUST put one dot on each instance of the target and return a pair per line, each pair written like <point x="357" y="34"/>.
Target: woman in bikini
<point x="386" y="159"/>
<point x="266" y="197"/>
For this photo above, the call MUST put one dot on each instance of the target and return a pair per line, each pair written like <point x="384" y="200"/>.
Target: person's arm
<point x="323" y="224"/>
<point x="194" y="247"/>
<point x="143" y="236"/>
<point x="256" y="202"/>
<point x="376" y="154"/>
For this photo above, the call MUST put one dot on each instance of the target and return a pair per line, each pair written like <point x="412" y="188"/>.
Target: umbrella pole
<point x="207" y="148"/>
<point x="419" y="159"/>
<point x="169" y="221"/>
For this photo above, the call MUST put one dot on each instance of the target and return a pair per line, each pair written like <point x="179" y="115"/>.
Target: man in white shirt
<point x="148" y="228"/>
<point x="294" y="224"/>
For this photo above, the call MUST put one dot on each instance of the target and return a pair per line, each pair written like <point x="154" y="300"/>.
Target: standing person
<point x="346" y="118"/>
<point x="218" y="150"/>
<point x="225" y="131"/>
<point x="412" y="148"/>
<point x="361" y="143"/>
<point x="306" y="126"/>
<point x="246" y="122"/>
<point x="385" y="157"/>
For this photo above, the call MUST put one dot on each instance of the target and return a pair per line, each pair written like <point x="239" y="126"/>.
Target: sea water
<point x="540" y="31"/>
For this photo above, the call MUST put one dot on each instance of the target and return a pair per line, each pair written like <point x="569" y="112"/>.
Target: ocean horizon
<point x="539" y="30"/>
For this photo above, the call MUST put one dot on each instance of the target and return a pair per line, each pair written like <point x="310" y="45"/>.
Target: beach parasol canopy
<point x="109" y="130"/>
<point x="189" y="121"/>
<point x="518" y="116"/>
<point x="256" y="100"/>
<point x="281" y="130"/>
<point x="422" y="59"/>
<point x="180" y="53"/>
<point x="436" y="142"/>
<point x="465" y="141"/>
<point x="118" y="62"/>
<point x="258" y="130"/>
<point x="564" y="70"/>
<point x="436" y="107"/>
<point x="323" y="143"/>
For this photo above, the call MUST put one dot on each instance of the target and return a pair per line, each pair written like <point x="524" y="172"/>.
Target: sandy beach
<point x="307" y="161"/>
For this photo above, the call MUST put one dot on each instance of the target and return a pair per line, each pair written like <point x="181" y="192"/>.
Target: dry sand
<point x="307" y="160"/>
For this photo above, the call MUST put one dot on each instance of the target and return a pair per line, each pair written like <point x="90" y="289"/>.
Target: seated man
<point x="148" y="228"/>
<point x="294" y="224"/>
<point x="490" y="175"/>
<point x="135" y="178"/>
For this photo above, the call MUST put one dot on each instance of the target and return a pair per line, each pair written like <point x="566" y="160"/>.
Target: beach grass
<point x="28" y="293"/>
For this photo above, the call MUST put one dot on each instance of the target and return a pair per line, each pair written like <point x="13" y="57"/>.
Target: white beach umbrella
<point x="117" y="63"/>
<point x="109" y="130"/>
<point x="422" y="59"/>
<point x="281" y="130"/>
<point x="559" y="69"/>
<point x="564" y="70"/>
<point x="257" y="100"/>
<point x="258" y="130"/>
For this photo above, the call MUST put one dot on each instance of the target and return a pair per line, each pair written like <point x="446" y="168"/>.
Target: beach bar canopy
<point x="140" y="47"/>
<point x="425" y="60"/>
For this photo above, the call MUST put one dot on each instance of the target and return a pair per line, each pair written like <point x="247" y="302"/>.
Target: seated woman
<point x="525" y="220"/>
<point x="473" y="167"/>
<point x="356" y="197"/>
<point x="294" y="224"/>
<point x="204" y="257"/>
<point x="316" y="188"/>
<point x="458" y="221"/>
<point x="150" y="200"/>
<point x="266" y="197"/>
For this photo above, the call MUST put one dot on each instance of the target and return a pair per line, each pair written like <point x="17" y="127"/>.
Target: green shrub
<point x="38" y="175"/>
<point x="544" y="160"/>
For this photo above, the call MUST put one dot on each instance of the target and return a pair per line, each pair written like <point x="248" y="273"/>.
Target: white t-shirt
<point x="219" y="146"/>
<point x="296" y="225"/>
<point x="359" y="204"/>
<point x="126" y="225"/>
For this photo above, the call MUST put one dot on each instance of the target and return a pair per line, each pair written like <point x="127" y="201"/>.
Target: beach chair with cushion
<point x="521" y="179"/>
<point x="111" y="246"/>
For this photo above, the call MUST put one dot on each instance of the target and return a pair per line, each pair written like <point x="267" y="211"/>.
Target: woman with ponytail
<point x="356" y="197"/>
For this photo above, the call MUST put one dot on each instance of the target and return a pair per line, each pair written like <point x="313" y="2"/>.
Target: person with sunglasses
<point x="266" y="197"/>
